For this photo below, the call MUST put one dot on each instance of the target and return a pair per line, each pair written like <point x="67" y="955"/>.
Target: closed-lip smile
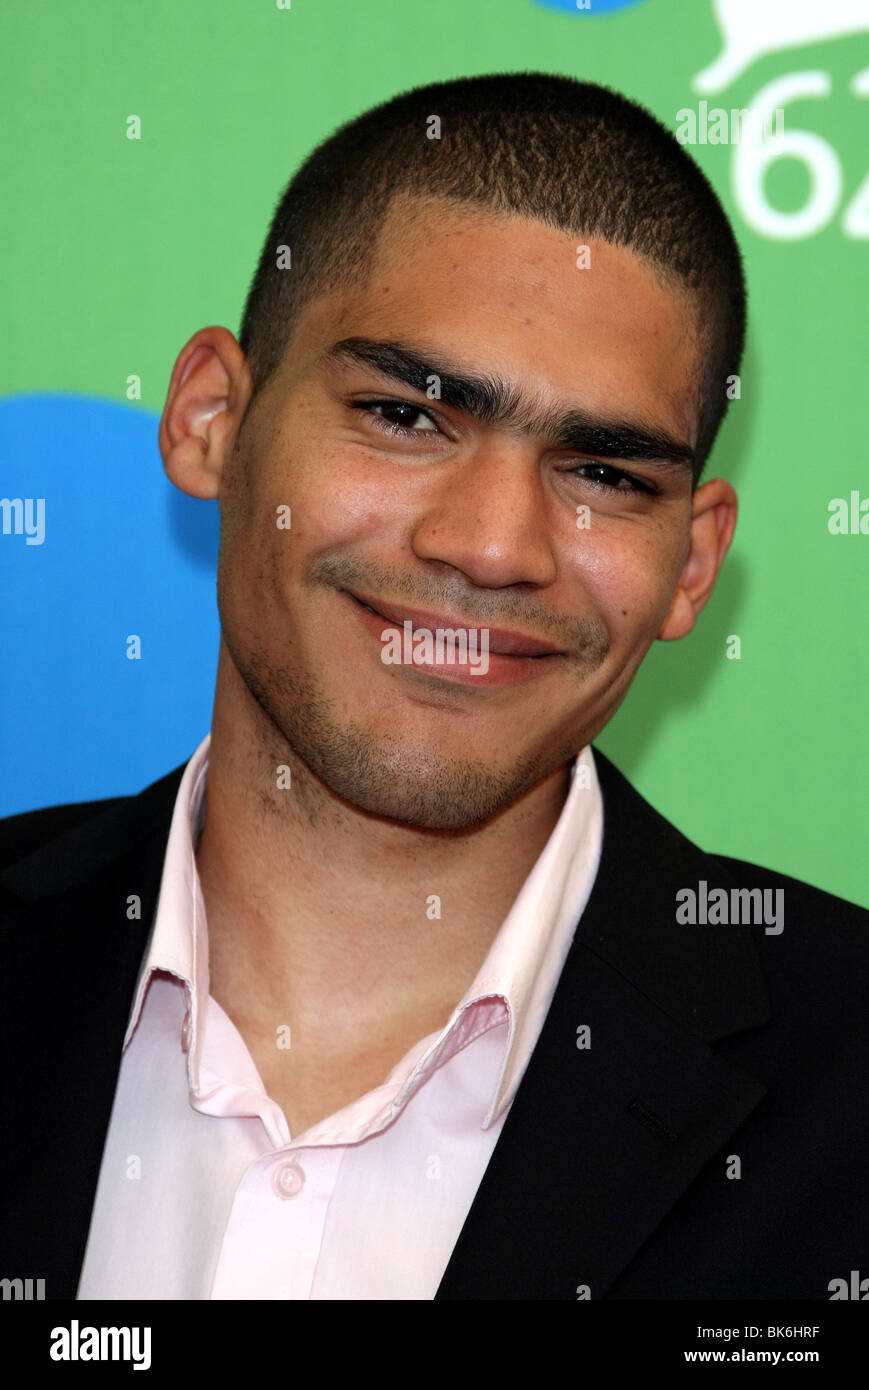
<point x="502" y="641"/>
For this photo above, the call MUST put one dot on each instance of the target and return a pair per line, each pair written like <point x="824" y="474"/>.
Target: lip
<point x="502" y="641"/>
<point x="503" y="668"/>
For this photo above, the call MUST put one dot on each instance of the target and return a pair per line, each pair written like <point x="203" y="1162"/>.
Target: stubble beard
<point x="384" y="775"/>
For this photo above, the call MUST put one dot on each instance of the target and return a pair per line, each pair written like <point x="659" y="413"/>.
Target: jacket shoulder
<point x="48" y="851"/>
<point x="812" y="903"/>
<point x="820" y="944"/>
<point x="824" y="937"/>
<point x="26" y="831"/>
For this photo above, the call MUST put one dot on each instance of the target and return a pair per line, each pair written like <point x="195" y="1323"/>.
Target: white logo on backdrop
<point x="751" y="29"/>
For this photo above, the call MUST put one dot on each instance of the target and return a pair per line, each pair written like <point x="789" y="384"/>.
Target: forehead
<point x="593" y="327"/>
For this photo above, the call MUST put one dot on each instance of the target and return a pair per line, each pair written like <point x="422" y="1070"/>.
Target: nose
<point x="490" y="517"/>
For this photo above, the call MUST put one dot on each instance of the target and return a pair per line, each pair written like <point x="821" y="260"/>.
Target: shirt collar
<point x="178" y="943"/>
<point x="526" y="958"/>
<point x="520" y="971"/>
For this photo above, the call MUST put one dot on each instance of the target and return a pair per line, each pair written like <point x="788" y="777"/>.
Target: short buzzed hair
<point x="574" y="155"/>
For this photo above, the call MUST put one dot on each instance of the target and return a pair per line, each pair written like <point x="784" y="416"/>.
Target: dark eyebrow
<point x="493" y="401"/>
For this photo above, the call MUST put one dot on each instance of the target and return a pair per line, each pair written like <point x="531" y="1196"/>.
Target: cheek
<point x="336" y="503"/>
<point x="309" y="494"/>
<point x="629" y="573"/>
<point x="338" y="493"/>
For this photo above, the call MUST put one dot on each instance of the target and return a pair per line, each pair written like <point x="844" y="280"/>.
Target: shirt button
<point x="288" y="1180"/>
<point x="185" y="1032"/>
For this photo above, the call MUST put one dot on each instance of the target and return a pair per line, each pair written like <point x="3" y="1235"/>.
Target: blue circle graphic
<point x="595" y="6"/>
<point x="119" y="551"/>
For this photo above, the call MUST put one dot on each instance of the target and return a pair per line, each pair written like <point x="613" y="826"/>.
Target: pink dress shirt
<point x="203" y="1192"/>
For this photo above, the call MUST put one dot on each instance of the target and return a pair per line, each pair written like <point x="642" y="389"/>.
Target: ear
<point x="713" y="521"/>
<point x="208" y="394"/>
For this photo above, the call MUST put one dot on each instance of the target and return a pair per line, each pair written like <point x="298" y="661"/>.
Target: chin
<point x="425" y="812"/>
<point x="431" y="793"/>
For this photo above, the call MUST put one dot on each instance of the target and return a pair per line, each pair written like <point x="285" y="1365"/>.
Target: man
<point x="396" y="989"/>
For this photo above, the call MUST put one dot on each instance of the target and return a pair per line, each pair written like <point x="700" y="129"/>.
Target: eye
<point x="398" y="417"/>
<point x="607" y="479"/>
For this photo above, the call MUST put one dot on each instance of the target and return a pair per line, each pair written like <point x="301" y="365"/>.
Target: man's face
<point x="402" y="497"/>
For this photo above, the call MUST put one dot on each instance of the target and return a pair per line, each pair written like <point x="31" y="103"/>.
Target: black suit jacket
<point x="615" y="1171"/>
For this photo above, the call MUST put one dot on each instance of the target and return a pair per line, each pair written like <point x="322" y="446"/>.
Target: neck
<point x="318" y="911"/>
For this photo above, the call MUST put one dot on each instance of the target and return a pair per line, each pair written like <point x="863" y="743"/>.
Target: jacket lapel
<point x="74" y="956"/>
<point x="601" y="1142"/>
